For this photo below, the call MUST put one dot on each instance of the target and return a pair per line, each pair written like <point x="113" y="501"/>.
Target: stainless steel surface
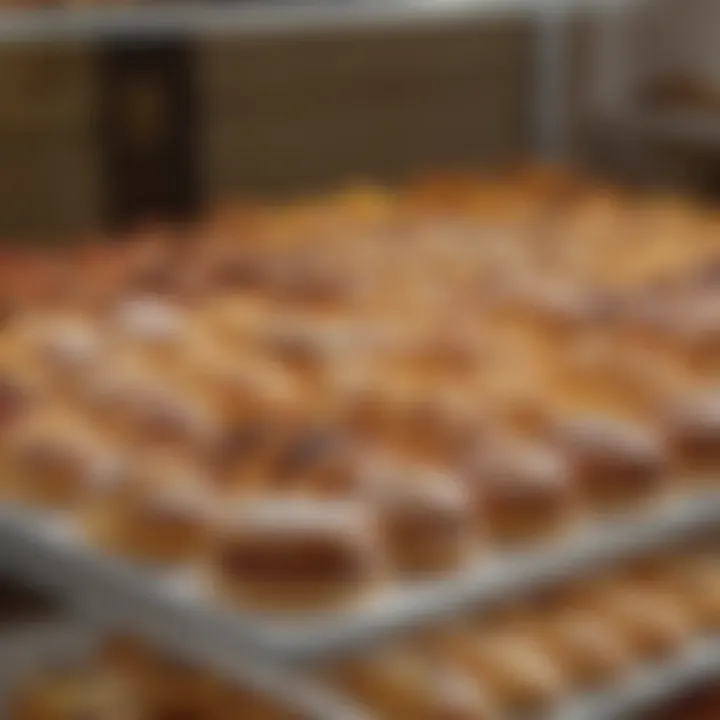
<point x="251" y="18"/>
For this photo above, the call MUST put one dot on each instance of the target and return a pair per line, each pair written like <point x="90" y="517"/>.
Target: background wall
<point x="287" y="115"/>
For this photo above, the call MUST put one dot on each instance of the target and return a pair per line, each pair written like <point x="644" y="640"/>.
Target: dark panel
<point x="148" y="130"/>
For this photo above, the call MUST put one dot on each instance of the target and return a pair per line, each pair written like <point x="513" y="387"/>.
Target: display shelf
<point x="249" y="18"/>
<point x="172" y="610"/>
<point x="649" y="688"/>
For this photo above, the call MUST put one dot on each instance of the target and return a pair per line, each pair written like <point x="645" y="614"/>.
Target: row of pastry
<point x="313" y="400"/>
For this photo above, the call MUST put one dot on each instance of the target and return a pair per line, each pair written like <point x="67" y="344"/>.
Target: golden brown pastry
<point x="693" y="432"/>
<point x="516" y="671"/>
<point x="73" y="695"/>
<point x="615" y="464"/>
<point x="56" y="458"/>
<point x="158" y="511"/>
<point x="522" y="491"/>
<point x="425" y="519"/>
<point x="652" y="624"/>
<point x="402" y="685"/>
<point x="586" y="647"/>
<point x="295" y="554"/>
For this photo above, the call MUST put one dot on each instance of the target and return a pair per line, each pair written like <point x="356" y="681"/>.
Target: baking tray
<point x="33" y="647"/>
<point x="650" y="687"/>
<point x="174" y="610"/>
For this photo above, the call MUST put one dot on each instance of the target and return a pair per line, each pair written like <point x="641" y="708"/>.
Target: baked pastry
<point x="587" y="648"/>
<point x="516" y="671"/>
<point x="521" y="491"/>
<point x="692" y="429"/>
<point x="54" y="457"/>
<point x="652" y="624"/>
<point x="425" y="521"/>
<point x="615" y="464"/>
<point x="313" y="459"/>
<point x="295" y="554"/>
<point x="157" y="511"/>
<point x="402" y="685"/>
<point x="144" y="409"/>
<point x="74" y="694"/>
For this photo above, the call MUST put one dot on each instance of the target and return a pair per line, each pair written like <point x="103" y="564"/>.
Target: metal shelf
<point x="198" y="18"/>
<point x="173" y="611"/>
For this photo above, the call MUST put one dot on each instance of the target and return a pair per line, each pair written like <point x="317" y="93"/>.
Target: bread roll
<point x="587" y="649"/>
<point x="616" y="465"/>
<point x="157" y="512"/>
<point x="515" y="671"/>
<point x="522" y="492"/>
<point x="295" y="554"/>
<point x="693" y="432"/>
<point x="652" y="624"/>
<point x="72" y="695"/>
<point x="400" y="685"/>
<point x="425" y="519"/>
<point x="56" y="458"/>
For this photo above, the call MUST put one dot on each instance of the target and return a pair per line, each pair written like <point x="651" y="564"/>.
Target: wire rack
<point x="155" y="605"/>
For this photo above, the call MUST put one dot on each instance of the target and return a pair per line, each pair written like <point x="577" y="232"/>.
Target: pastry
<point x="72" y="695"/>
<point x="401" y="685"/>
<point x="587" y="649"/>
<point x="615" y="464"/>
<point x="425" y="521"/>
<point x="521" y="491"/>
<point x="516" y="672"/>
<point x="55" y="457"/>
<point x="652" y="624"/>
<point x="157" y="511"/>
<point x="295" y="554"/>
<point x="692" y="428"/>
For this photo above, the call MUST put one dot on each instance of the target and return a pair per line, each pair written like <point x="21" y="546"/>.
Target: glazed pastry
<point x="158" y="511"/>
<point x="70" y="695"/>
<point x="652" y="624"/>
<point x="522" y="491"/>
<point x="616" y="465"/>
<point x="316" y="460"/>
<point x="400" y="685"/>
<point x="56" y="458"/>
<point x="693" y="432"/>
<point x="295" y="554"/>
<point x="516" y="671"/>
<point x="144" y="409"/>
<point x="587" y="649"/>
<point x="425" y="520"/>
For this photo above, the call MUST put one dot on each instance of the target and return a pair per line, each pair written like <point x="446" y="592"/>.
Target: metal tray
<point x="31" y="648"/>
<point x="174" y="610"/>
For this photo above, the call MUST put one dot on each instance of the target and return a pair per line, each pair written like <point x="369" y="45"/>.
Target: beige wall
<point x="286" y="114"/>
<point x="48" y="158"/>
<point x="281" y="115"/>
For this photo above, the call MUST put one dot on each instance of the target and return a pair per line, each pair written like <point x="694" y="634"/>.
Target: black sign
<point x="149" y="131"/>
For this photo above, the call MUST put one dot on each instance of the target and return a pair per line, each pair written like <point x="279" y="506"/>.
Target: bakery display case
<point x="287" y="443"/>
